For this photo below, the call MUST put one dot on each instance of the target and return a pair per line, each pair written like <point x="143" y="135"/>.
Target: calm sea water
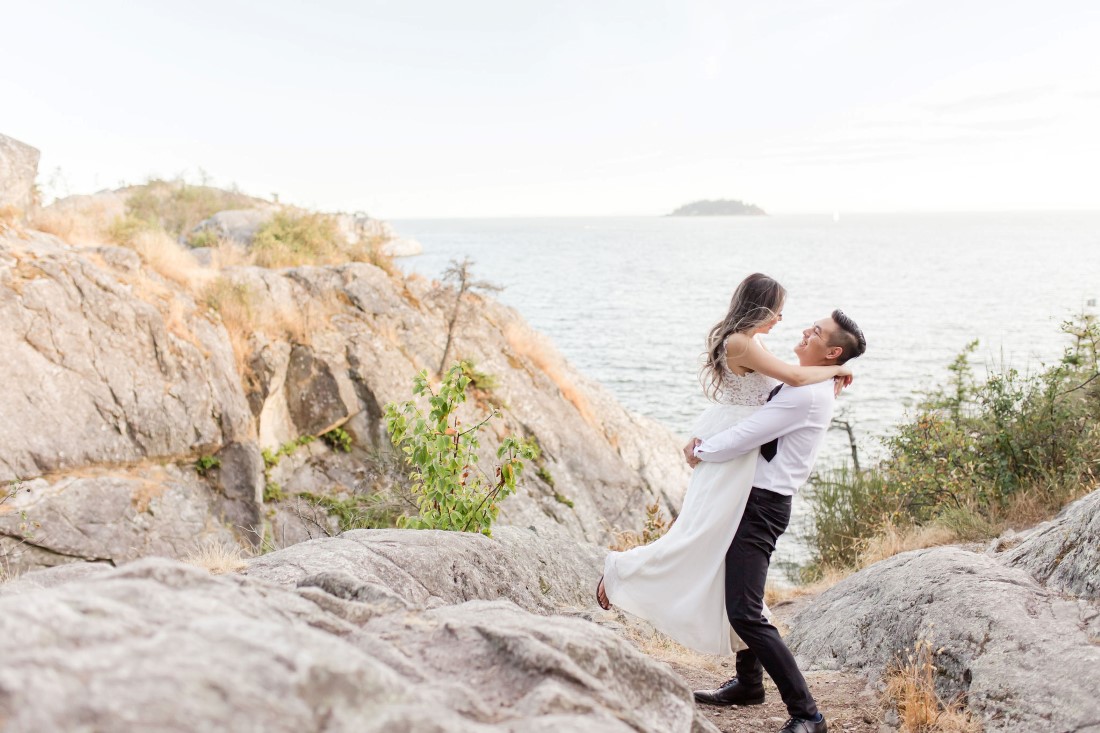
<point x="629" y="300"/>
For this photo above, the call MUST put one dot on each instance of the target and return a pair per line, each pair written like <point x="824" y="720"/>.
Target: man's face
<point x="814" y="349"/>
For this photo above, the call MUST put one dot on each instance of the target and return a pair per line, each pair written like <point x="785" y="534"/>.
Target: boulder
<point x="98" y="375"/>
<point x="18" y="170"/>
<point x="1064" y="553"/>
<point x="1024" y="656"/>
<point x="110" y="517"/>
<point x="239" y="225"/>
<point x="402" y="247"/>
<point x="536" y="571"/>
<point x="159" y="645"/>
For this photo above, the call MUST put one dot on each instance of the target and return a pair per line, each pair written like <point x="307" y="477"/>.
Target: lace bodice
<point x="751" y="389"/>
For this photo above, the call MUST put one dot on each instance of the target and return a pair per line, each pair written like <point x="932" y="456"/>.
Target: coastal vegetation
<point x="718" y="207"/>
<point x="452" y="491"/>
<point x="978" y="457"/>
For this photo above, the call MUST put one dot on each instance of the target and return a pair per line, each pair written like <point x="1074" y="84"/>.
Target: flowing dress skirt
<point x="677" y="583"/>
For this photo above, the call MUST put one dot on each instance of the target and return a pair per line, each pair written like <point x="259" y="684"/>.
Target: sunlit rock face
<point x="130" y="399"/>
<point x="379" y="630"/>
<point x="1017" y="630"/>
<point x="18" y="170"/>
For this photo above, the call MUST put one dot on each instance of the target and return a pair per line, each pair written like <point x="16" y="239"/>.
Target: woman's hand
<point x="842" y="379"/>
<point x="689" y="452"/>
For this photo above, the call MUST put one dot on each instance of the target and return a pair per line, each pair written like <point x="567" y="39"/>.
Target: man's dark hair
<point x="849" y="337"/>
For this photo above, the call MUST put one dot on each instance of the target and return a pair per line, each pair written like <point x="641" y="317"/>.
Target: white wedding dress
<point x="677" y="583"/>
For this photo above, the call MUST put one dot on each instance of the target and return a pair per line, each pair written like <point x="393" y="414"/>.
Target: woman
<point x="678" y="582"/>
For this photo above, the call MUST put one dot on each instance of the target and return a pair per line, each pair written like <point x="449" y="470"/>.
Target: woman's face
<point x="769" y="324"/>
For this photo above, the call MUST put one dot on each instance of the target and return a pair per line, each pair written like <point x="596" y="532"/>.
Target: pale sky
<point x="432" y="109"/>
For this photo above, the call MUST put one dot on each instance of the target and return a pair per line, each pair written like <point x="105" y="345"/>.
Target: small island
<point x="719" y="207"/>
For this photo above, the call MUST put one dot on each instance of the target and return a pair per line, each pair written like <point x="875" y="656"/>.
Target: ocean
<point x="629" y="300"/>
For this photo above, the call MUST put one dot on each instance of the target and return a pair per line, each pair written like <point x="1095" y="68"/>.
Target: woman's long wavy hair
<point x="756" y="300"/>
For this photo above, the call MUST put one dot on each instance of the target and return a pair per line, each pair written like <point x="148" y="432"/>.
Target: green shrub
<point x="848" y="507"/>
<point x="273" y="491"/>
<point x="480" y="380"/>
<point x="356" y="511"/>
<point x="452" y="492"/>
<point x="205" y="238"/>
<point x="971" y="452"/>
<point x="291" y="239"/>
<point x="338" y="439"/>
<point x="125" y="229"/>
<point x="206" y="464"/>
<point x="544" y="473"/>
<point x="177" y="207"/>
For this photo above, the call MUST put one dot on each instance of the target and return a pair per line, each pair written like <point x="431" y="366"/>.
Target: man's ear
<point x="834" y="352"/>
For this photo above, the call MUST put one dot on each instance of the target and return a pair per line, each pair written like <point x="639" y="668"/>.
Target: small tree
<point x="451" y="490"/>
<point x="459" y="272"/>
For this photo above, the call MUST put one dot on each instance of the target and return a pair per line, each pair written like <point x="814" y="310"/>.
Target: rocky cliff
<point x="145" y="387"/>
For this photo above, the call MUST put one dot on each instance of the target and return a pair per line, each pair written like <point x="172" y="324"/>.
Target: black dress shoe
<point x="801" y="725"/>
<point x="732" y="692"/>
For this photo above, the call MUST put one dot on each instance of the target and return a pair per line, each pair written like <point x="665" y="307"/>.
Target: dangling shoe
<point x="601" y="596"/>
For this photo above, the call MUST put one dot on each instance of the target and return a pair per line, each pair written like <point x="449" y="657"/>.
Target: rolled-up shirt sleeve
<point x="786" y="412"/>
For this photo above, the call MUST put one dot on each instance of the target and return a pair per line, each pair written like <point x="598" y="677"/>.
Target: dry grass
<point x="7" y="574"/>
<point x="911" y="687"/>
<point x="236" y="304"/>
<point x="893" y="540"/>
<point x="774" y="594"/>
<point x="227" y="253"/>
<point x="1029" y="507"/>
<point x="83" y="221"/>
<point x="653" y="643"/>
<point x="167" y="258"/>
<point x="656" y="524"/>
<point x="245" y="312"/>
<point x="10" y="217"/>
<point x="218" y="558"/>
<point x="533" y="347"/>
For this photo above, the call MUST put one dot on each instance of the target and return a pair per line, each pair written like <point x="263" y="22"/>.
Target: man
<point x="789" y="430"/>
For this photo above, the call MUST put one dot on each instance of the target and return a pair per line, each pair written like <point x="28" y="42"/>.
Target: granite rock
<point x="1024" y="656"/>
<point x="1064" y="553"/>
<point x="18" y="170"/>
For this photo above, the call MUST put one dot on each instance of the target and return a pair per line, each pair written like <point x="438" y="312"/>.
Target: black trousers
<point x="766" y="517"/>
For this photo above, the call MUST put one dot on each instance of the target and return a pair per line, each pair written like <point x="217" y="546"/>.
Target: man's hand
<point x="689" y="452"/>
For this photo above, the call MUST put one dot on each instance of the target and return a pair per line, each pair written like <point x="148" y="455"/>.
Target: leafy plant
<point x="338" y="439"/>
<point x="291" y="239"/>
<point x="206" y="464"/>
<point x="654" y="527"/>
<point x="452" y="492"/>
<point x="273" y="491"/>
<point x="177" y="206"/>
<point x="354" y="511"/>
<point x="974" y="453"/>
<point x="204" y="238"/>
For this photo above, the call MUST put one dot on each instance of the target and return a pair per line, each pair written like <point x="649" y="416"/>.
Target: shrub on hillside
<point x="452" y="491"/>
<point x="293" y="239"/>
<point x="974" y="456"/>
<point x="177" y="207"/>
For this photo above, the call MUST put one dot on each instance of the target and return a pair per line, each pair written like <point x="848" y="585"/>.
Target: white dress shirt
<point x="798" y="417"/>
